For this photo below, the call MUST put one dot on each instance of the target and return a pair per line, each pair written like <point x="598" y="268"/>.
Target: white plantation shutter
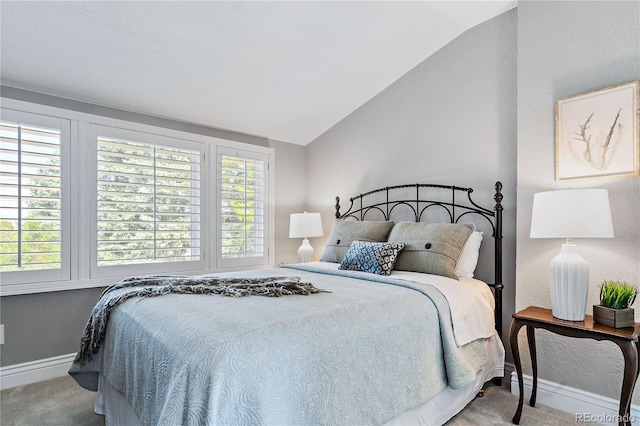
<point x="86" y="199"/>
<point x="32" y="228"/>
<point x="148" y="204"/>
<point x="243" y="220"/>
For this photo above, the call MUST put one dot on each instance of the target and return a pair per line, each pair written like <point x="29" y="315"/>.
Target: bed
<point x="407" y="347"/>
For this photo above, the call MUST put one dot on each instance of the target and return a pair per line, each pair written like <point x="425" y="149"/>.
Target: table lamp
<point x="570" y="213"/>
<point x="304" y="225"/>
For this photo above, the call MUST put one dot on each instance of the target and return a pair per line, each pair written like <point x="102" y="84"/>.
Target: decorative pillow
<point x="430" y="248"/>
<point x="377" y="258"/>
<point x="345" y="232"/>
<point x="468" y="260"/>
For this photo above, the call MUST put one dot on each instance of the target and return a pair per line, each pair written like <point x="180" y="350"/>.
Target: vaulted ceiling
<point x="284" y="70"/>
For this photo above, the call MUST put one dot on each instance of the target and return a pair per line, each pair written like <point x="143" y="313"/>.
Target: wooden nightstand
<point x="626" y="338"/>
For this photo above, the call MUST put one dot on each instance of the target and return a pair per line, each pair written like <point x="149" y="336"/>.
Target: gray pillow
<point x="345" y="232"/>
<point x="430" y="248"/>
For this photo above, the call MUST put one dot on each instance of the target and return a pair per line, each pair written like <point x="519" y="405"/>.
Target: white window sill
<point x="43" y="287"/>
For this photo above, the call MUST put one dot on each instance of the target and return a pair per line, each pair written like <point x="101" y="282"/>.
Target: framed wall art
<point x="597" y="133"/>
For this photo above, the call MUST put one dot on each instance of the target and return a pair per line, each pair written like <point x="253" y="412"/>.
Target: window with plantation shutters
<point x="148" y="202"/>
<point x="32" y="234"/>
<point x="242" y="189"/>
<point x="86" y="200"/>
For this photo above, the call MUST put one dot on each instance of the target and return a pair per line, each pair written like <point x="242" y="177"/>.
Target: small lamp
<point x="571" y="213"/>
<point x="303" y="225"/>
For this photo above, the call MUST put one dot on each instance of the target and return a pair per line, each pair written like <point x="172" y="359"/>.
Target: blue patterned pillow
<point x="377" y="258"/>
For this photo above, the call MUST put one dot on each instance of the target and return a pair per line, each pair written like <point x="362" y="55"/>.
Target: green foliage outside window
<point x="242" y="207"/>
<point x="148" y="203"/>
<point x="30" y="235"/>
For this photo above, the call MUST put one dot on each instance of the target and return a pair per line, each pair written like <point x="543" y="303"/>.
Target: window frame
<point x="245" y="262"/>
<point x="13" y="278"/>
<point x="98" y="271"/>
<point x="80" y="172"/>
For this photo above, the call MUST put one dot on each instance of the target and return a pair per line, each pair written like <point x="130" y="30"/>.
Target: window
<point x="86" y="200"/>
<point x="242" y="193"/>
<point x="33" y="210"/>
<point x="148" y="201"/>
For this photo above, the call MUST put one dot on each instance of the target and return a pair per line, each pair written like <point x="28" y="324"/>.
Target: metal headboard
<point x="455" y="209"/>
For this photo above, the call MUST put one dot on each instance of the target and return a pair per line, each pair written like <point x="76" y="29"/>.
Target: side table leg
<point x="531" y="339"/>
<point x="516" y="325"/>
<point x="630" y="353"/>
<point x="638" y="353"/>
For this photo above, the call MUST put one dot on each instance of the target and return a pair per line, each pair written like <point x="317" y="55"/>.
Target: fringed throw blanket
<point x="152" y="286"/>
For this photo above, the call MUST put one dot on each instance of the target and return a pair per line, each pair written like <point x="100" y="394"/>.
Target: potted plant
<point x="615" y="308"/>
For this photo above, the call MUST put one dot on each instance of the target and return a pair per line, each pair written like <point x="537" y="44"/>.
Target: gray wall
<point x="44" y="325"/>
<point x="290" y="187"/>
<point x="564" y="49"/>
<point x="450" y="120"/>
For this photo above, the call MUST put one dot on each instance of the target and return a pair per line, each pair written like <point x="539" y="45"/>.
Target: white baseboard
<point x="592" y="407"/>
<point x="35" y="371"/>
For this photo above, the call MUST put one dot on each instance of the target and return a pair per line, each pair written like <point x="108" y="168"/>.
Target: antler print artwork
<point x="598" y="153"/>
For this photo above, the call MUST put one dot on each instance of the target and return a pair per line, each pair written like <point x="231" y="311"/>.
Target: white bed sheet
<point x="470" y="300"/>
<point x="437" y="411"/>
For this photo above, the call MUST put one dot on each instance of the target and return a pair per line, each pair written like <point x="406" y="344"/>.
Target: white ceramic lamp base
<point x="569" y="282"/>
<point x="305" y="252"/>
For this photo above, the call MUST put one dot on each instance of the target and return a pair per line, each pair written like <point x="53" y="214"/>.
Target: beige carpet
<point x="62" y="402"/>
<point x="498" y="406"/>
<point x="54" y="402"/>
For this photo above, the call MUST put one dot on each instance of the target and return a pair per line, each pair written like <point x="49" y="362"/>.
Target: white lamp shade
<point x="571" y="213"/>
<point x="304" y="225"/>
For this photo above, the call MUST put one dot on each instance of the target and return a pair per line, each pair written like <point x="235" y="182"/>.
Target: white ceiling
<point x="284" y="70"/>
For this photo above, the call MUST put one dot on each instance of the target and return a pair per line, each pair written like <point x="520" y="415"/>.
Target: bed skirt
<point x="117" y="411"/>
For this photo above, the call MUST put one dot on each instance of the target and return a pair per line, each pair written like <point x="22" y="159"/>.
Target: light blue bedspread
<point x="362" y="354"/>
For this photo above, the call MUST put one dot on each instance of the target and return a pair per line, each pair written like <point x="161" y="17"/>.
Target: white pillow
<point x="469" y="256"/>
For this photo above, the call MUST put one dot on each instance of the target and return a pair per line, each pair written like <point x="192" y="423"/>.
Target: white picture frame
<point x="597" y="134"/>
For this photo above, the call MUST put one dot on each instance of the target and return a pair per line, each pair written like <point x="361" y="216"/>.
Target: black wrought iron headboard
<point x="455" y="209"/>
